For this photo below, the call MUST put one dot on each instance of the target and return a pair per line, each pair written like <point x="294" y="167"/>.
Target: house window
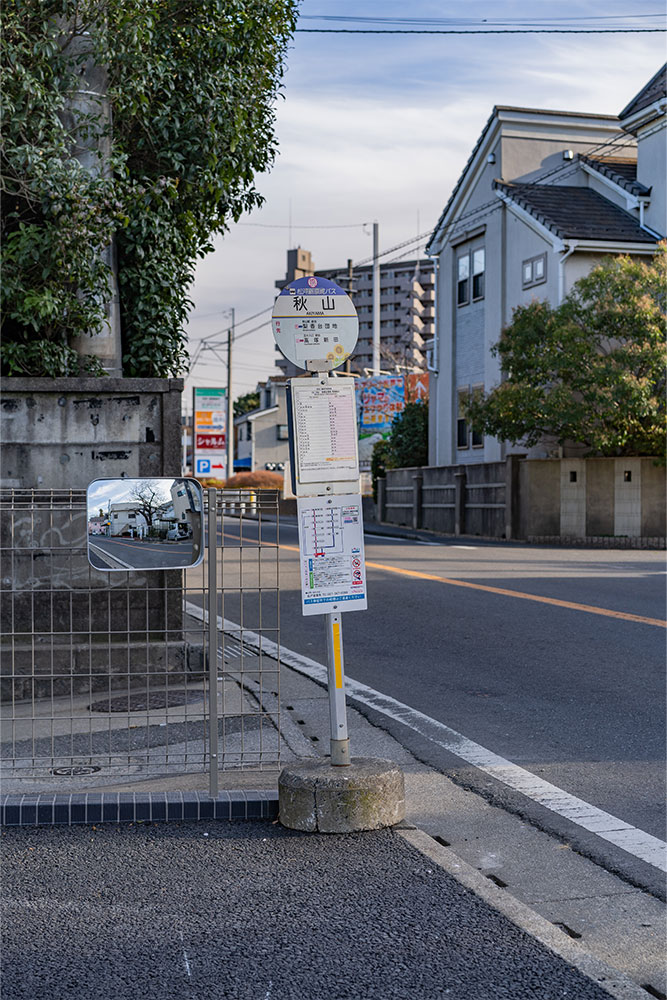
<point x="463" y="281"/>
<point x="470" y="264"/>
<point x="478" y="274"/>
<point x="282" y="432"/>
<point x="534" y="271"/>
<point x="477" y="438"/>
<point x="461" y="419"/>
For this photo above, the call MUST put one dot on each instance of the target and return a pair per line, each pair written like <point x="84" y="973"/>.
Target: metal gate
<point x="110" y="674"/>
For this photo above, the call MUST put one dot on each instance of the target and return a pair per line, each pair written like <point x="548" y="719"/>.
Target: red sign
<point x="214" y="442"/>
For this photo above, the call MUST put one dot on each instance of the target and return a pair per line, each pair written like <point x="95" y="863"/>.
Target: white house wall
<point x="534" y="146"/>
<point x="651" y="165"/>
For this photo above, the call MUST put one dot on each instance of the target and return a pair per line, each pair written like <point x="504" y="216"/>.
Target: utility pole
<point x="230" y="406"/>
<point x="376" y="302"/>
<point x="350" y="281"/>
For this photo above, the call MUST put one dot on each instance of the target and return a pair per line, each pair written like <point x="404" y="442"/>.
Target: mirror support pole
<point x="211" y="549"/>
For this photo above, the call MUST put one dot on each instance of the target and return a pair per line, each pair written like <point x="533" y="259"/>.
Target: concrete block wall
<point x="597" y="501"/>
<point x="63" y="433"/>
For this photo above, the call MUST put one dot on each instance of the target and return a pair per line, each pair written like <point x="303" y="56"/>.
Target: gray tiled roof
<point x="653" y="91"/>
<point x="621" y="171"/>
<point x="576" y="213"/>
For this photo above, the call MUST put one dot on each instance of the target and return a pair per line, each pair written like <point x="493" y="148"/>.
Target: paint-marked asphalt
<point x="503" y="592"/>
<point x="616" y="831"/>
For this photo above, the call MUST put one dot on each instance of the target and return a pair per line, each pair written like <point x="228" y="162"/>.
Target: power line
<point x="497" y="21"/>
<point x="399" y="246"/>
<point x="480" y="31"/>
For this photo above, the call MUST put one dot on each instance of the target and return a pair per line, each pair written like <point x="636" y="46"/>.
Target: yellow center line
<point x="571" y="605"/>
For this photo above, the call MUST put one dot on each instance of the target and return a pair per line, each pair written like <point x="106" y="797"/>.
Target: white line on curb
<point x="615" y="983"/>
<point x="636" y="842"/>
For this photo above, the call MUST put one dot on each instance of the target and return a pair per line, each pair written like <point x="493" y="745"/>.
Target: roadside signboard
<point x="379" y="399"/>
<point x="209" y="433"/>
<point x="314" y="319"/>
<point x="324" y="433"/>
<point x="331" y="545"/>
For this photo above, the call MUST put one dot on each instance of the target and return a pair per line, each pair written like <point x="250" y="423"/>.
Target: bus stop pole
<point x="340" y="743"/>
<point x="212" y="552"/>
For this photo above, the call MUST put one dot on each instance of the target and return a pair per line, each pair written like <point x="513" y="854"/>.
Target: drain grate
<point x="142" y="702"/>
<point x="653" y="992"/>
<point x="568" y="930"/>
<point x="74" y="770"/>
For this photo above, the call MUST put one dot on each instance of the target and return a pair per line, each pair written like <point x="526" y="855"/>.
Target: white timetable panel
<point x="325" y="430"/>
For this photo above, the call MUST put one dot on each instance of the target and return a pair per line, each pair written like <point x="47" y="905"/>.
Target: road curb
<point x="609" y="979"/>
<point x="48" y="809"/>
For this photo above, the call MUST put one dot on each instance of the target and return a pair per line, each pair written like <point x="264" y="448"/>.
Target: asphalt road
<point x="575" y="696"/>
<point x="251" y="911"/>
<point x="141" y="554"/>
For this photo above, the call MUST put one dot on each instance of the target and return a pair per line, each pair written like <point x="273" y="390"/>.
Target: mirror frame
<point x="197" y="537"/>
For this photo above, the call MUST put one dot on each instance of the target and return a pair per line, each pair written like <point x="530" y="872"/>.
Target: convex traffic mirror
<point x="144" y="524"/>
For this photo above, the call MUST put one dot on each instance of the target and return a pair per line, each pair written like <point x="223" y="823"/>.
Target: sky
<point x="102" y="492"/>
<point x="379" y="127"/>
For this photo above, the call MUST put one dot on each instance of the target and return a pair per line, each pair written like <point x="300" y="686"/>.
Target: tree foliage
<point x="246" y="403"/>
<point x="407" y="443"/>
<point x="592" y="370"/>
<point x="192" y="85"/>
<point x="408" y="439"/>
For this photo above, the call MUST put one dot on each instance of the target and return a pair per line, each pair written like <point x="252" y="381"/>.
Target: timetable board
<point x="325" y="431"/>
<point x="331" y="549"/>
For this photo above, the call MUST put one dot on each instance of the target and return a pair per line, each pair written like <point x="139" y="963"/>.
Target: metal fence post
<point x="382" y="499"/>
<point x="212" y="552"/>
<point x="460" y="501"/>
<point x="340" y="743"/>
<point x="417" y="485"/>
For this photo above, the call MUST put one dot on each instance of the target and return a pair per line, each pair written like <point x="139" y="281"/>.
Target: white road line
<point x="636" y="842"/>
<point x="186" y="963"/>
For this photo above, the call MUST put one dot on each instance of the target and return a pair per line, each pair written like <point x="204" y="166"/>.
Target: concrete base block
<point x="318" y="798"/>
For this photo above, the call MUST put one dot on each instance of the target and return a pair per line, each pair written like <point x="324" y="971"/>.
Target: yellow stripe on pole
<point x="338" y="673"/>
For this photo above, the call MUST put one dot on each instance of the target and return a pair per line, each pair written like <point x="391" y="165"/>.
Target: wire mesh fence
<point x="107" y="674"/>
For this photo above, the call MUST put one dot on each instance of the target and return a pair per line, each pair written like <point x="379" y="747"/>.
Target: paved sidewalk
<point x="217" y="910"/>
<point x="488" y="846"/>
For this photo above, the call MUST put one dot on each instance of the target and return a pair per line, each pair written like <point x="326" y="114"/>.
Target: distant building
<point x="544" y="197"/>
<point x="406" y="310"/>
<point x="262" y="441"/>
<point x="127" y="519"/>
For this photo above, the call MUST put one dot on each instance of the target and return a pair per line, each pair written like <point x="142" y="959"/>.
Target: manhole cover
<point x="142" y="702"/>
<point x="69" y="772"/>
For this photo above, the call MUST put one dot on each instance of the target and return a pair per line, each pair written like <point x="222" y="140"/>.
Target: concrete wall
<point x="596" y="500"/>
<point x="59" y="435"/>
<point x="592" y="498"/>
<point x="63" y="433"/>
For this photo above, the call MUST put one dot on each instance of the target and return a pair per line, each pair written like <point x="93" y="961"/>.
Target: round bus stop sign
<point x="314" y="319"/>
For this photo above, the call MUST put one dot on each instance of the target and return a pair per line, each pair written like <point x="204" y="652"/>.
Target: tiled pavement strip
<point x="431" y="802"/>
